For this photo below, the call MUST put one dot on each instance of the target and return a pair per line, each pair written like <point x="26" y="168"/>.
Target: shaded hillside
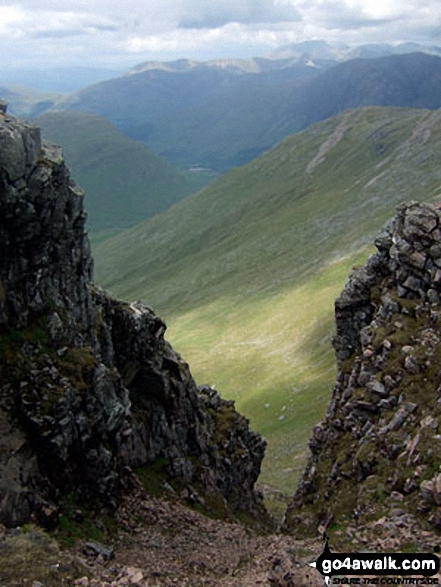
<point x="194" y="115"/>
<point x="247" y="270"/>
<point x="265" y="108"/>
<point x="124" y="180"/>
<point x="222" y="117"/>
<point x="412" y="80"/>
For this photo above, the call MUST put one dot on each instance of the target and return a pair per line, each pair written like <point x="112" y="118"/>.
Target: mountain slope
<point x="246" y="271"/>
<point x="412" y="80"/>
<point x="222" y="117"/>
<point x="124" y="180"/>
<point x="269" y="107"/>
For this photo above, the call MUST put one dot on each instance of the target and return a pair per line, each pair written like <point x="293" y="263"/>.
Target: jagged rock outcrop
<point x="377" y="453"/>
<point x="89" y="388"/>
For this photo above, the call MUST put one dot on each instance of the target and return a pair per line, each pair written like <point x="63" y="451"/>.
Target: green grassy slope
<point x="124" y="180"/>
<point x="245" y="272"/>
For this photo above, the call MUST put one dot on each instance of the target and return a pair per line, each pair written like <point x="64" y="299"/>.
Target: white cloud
<point x="236" y="35"/>
<point x="14" y="21"/>
<point x="111" y="31"/>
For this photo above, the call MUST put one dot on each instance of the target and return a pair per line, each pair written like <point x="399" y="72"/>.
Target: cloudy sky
<point x="122" y="33"/>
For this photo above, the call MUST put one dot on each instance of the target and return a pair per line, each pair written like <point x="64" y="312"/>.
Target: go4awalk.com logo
<point x="382" y="569"/>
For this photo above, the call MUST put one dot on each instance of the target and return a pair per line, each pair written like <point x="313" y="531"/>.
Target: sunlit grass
<point x="272" y="354"/>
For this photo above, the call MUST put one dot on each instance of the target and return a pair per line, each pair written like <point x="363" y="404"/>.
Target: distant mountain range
<point x="222" y="114"/>
<point x="209" y="117"/>
<point x="341" y="52"/>
<point x="246" y="271"/>
<point x="124" y="180"/>
<point x="27" y="102"/>
<point x="312" y="53"/>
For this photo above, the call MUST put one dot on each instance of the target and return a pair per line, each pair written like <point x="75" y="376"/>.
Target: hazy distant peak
<point x="308" y="49"/>
<point x="338" y="52"/>
<point x="172" y="66"/>
<point x="241" y="66"/>
<point x="185" y="65"/>
<point x="308" y="53"/>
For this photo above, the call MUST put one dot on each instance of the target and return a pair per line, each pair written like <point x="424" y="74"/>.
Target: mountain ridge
<point x="341" y="52"/>
<point x="239" y="66"/>
<point x="311" y="53"/>
<point x="370" y="464"/>
<point x="223" y="120"/>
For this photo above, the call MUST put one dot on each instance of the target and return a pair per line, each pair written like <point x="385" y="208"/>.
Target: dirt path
<point x="162" y="543"/>
<point x="330" y="142"/>
<point x="165" y="544"/>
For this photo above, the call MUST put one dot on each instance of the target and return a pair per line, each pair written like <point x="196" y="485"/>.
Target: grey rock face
<point x="202" y="436"/>
<point x="20" y="147"/>
<point x="88" y="385"/>
<point x="45" y="255"/>
<point x="375" y="438"/>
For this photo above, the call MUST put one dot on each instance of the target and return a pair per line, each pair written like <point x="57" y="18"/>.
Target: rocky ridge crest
<point x="376" y="457"/>
<point x="89" y="387"/>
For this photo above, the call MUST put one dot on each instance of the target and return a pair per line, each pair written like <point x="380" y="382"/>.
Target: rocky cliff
<point x="376" y="457"/>
<point x="89" y="388"/>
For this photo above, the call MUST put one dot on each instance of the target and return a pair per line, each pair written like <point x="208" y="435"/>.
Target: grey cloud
<point x="52" y="5"/>
<point x="215" y="15"/>
<point x="433" y="33"/>
<point x="349" y="23"/>
<point x="111" y="31"/>
<point x="73" y="32"/>
<point x="58" y="34"/>
<point x="104" y="28"/>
